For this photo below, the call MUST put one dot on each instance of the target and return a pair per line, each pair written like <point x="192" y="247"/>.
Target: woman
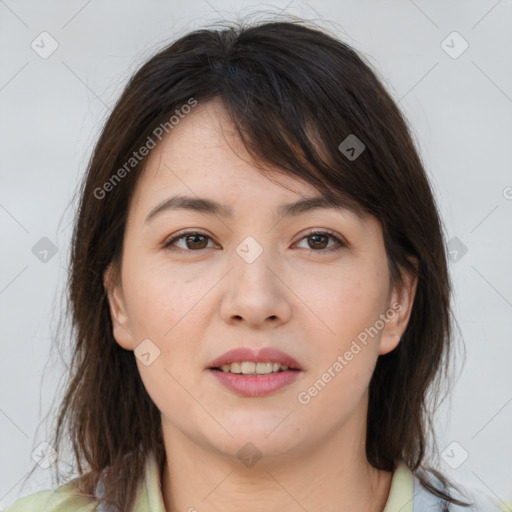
<point x="259" y="290"/>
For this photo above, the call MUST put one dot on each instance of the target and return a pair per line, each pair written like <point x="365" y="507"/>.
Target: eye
<point x="318" y="241"/>
<point x="193" y="241"/>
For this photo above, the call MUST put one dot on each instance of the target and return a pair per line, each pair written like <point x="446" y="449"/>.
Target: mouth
<point x="247" y="361"/>
<point x="252" y="368"/>
<point x="250" y="373"/>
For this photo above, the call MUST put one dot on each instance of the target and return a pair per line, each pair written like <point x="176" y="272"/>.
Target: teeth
<point x="250" y="368"/>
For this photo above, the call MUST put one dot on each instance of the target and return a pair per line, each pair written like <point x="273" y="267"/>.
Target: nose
<point x="256" y="293"/>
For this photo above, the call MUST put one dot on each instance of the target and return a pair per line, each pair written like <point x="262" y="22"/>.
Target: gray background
<point x="460" y="109"/>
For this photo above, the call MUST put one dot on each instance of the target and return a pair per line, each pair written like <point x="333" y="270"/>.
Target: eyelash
<point x="186" y="234"/>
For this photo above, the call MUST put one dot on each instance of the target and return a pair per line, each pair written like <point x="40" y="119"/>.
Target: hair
<point x="294" y="93"/>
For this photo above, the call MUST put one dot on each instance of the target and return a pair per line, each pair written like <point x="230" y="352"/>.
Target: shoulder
<point x="425" y="501"/>
<point x="63" y="499"/>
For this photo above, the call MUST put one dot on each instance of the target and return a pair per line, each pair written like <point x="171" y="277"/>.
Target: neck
<point x="333" y="477"/>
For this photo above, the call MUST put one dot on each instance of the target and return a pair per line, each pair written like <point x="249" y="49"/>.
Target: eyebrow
<point x="210" y="207"/>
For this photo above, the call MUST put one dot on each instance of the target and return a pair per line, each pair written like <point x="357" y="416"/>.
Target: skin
<point x="196" y="305"/>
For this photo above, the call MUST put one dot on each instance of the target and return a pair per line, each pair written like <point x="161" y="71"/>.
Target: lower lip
<point x="256" y="385"/>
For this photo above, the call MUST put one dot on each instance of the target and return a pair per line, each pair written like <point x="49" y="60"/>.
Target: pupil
<point x="194" y="237"/>
<point x="317" y="237"/>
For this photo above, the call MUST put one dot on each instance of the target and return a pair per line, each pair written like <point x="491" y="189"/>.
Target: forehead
<point x="204" y="152"/>
<point x="203" y="156"/>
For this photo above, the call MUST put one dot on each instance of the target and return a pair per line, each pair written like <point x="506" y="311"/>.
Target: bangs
<point x="293" y="105"/>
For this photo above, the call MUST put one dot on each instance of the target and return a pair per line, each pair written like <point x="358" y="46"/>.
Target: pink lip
<point x="263" y="355"/>
<point x="256" y="385"/>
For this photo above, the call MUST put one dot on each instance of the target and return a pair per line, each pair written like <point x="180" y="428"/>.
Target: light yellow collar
<point x="400" y="497"/>
<point x="149" y="496"/>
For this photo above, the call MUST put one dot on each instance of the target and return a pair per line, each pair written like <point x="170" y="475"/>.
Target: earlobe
<point x="117" y="307"/>
<point x="399" y="312"/>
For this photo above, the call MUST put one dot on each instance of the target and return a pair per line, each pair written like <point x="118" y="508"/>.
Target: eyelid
<point x="322" y="231"/>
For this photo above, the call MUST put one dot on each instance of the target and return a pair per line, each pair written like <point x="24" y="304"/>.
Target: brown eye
<point x="193" y="241"/>
<point x="318" y="242"/>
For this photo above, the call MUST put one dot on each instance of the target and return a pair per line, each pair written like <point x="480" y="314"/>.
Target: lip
<point x="255" y="385"/>
<point x="262" y="355"/>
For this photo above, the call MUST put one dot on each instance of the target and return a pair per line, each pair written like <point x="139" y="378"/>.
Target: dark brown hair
<point x="294" y="93"/>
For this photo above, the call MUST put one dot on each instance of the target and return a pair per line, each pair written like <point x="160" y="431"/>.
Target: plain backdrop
<point x="447" y="64"/>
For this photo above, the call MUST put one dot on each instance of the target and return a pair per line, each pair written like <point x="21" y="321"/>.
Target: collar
<point x="149" y="496"/>
<point x="400" y="497"/>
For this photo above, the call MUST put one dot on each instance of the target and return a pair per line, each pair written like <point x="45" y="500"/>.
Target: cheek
<point x="350" y="301"/>
<point x="335" y="395"/>
<point x="161" y="300"/>
<point x="166" y="310"/>
<point x="348" y="304"/>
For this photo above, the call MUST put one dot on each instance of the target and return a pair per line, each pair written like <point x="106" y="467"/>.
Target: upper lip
<point x="262" y="355"/>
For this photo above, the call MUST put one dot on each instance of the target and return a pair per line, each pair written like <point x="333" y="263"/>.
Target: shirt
<point x="406" y="495"/>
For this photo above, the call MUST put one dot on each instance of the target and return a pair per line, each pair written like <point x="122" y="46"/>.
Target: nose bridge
<point x="255" y="291"/>
<point x="250" y="250"/>
<point x="253" y="263"/>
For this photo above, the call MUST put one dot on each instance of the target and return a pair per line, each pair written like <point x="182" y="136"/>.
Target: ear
<point x="398" y="311"/>
<point x="117" y="305"/>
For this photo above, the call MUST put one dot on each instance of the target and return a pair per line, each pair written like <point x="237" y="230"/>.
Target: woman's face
<point x="253" y="279"/>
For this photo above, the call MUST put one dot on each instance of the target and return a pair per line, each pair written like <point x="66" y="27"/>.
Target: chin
<point x="253" y="445"/>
